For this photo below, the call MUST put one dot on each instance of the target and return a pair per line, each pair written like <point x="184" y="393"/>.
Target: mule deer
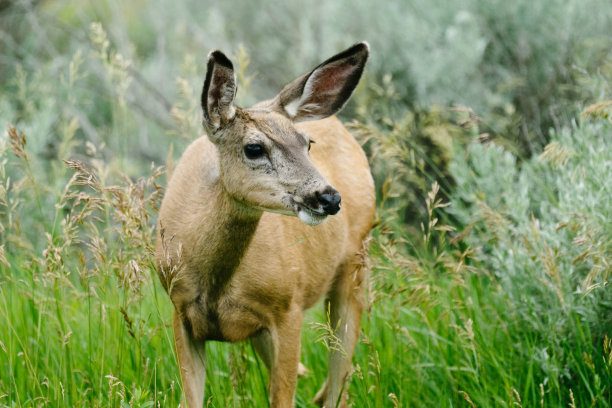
<point x="233" y="257"/>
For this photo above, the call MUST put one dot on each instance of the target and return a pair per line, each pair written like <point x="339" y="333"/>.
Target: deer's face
<point x="265" y="164"/>
<point x="263" y="158"/>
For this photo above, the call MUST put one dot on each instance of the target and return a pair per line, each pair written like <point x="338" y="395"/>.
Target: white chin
<point x="310" y="219"/>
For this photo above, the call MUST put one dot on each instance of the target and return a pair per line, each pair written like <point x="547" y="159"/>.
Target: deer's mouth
<point x="308" y="215"/>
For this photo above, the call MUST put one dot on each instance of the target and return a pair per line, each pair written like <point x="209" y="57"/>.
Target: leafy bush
<point x="509" y="303"/>
<point x="542" y="231"/>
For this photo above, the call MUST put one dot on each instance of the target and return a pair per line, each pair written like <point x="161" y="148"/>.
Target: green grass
<point x="86" y="322"/>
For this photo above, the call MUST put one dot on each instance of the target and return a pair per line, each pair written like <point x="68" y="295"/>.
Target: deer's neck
<point x="224" y="239"/>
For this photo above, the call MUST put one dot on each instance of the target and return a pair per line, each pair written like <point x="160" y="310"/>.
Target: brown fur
<point x="235" y="271"/>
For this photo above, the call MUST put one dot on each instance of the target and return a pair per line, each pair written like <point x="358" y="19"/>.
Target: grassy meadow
<point x="488" y="126"/>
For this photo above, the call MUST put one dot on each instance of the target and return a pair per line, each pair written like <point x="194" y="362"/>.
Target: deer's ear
<point x="218" y="92"/>
<point x="326" y="89"/>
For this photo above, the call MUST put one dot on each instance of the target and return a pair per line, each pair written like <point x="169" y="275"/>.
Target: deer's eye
<point x="253" y="151"/>
<point x="310" y="142"/>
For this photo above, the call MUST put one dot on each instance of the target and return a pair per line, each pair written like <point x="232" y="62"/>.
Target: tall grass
<point x="450" y="321"/>
<point x="80" y="313"/>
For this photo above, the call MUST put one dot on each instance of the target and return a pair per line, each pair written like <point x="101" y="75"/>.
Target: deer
<point x="264" y="215"/>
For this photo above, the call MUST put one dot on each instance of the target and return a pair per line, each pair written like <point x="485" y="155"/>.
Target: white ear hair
<point x="292" y="107"/>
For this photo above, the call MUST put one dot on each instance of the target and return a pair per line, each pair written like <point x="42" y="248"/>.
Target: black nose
<point x="330" y="201"/>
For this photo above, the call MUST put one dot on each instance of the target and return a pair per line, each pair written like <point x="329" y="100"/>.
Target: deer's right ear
<point x="218" y="92"/>
<point x="326" y="89"/>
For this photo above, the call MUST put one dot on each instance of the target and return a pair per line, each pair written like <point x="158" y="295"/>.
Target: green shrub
<point x="542" y="231"/>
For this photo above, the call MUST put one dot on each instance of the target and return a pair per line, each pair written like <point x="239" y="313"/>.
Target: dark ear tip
<point x="360" y="47"/>
<point x="220" y="58"/>
<point x="365" y="45"/>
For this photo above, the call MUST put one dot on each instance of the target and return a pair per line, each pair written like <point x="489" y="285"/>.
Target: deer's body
<point x="236" y="266"/>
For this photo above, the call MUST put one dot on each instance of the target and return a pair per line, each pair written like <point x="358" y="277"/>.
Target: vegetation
<point x="489" y="129"/>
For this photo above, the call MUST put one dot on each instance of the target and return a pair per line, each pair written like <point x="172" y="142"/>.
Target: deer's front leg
<point x="280" y="346"/>
<point x="192" y="363"/>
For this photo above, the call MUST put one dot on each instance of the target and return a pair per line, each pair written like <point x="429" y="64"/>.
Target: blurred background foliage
<point x="487" y="124"/>
<point x="137" y="68"/>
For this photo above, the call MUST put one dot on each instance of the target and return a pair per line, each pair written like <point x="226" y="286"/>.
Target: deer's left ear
<point x="218" y="92"/>
<point x="326" y="89"/>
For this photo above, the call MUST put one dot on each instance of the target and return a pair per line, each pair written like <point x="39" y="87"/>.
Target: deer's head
<point x="263" y="157"/>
